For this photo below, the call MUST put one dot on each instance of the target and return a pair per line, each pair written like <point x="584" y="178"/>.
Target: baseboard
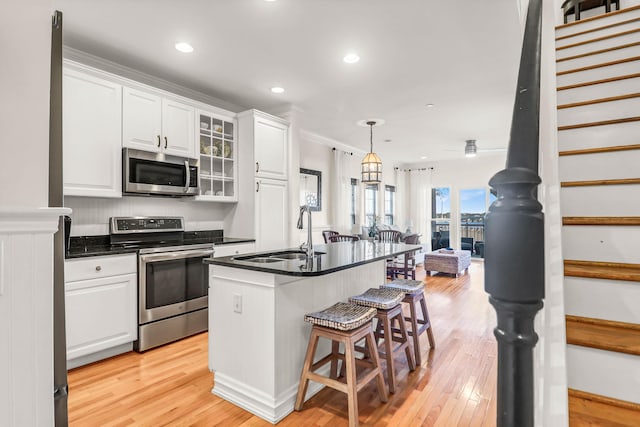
<point x="99" y="355"/>
<point x="269" y="408"/>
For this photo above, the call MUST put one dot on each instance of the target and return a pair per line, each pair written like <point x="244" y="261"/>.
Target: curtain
<point x="340" y="192"/>
<point x="420" y="203"/>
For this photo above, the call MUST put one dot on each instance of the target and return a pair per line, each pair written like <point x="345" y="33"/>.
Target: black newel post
<point x="514" y="241"/>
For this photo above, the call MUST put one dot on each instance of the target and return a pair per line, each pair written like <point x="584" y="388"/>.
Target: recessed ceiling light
<point x="430" y="105"/>
<point x="351" y="58"/>
<point x="184" y="47"/>
<point x="277" y="89"/>
<point x="423" y="157"/>
<point x="269" y="0"/>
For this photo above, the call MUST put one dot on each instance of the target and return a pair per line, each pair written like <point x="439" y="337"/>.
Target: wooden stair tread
<point x="598" y="39"/>
<point x="602" y="270"/>
<point x="597" y="150"/>
<point x="601" y="220"/>
<point x="595" y="18"/>
<point x="597" y="82"/>
<point x="600" y="65"/>
<point x="593" y="30"/>
<point x="600" y="123"/>
<point x="603" y="334"/>
<point x="622" y="181"/>
<point x="599" y="100"/>
<point x="597" y="52"/>
<point x="593" y="409"/>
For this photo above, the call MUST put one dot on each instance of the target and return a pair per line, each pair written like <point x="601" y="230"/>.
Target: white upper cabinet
<point x="218" y="158"/>
<point x="92" y="132"/>
<point x="271" y="146"/>
<point x="153" y="123"/>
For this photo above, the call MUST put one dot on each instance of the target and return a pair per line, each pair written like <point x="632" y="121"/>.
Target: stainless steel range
<point x="173" y="281"/>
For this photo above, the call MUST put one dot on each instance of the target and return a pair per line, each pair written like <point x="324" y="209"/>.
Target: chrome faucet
<point x="308" y="245"/>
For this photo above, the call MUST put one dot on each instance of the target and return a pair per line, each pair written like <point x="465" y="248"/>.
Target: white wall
<point x="25" y="43"/>
<point x="316" y="152"/>
<point x="26" y="272"/>
<point x="91" y="215"/>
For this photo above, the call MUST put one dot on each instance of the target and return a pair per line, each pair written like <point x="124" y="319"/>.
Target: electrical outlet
<point x="237" y="303"/>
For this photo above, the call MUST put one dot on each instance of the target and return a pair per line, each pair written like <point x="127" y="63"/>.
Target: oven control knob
<point x="98" y="268"/>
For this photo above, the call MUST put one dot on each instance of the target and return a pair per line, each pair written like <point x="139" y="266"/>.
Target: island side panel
<point x="241" y="345"/>
<point x="294" y="300"/>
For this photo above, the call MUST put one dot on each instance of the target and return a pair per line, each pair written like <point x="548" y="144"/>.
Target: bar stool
<point x="387" y="302"/>
<point x="347" y="324"/>
<point x="414" y="293"/>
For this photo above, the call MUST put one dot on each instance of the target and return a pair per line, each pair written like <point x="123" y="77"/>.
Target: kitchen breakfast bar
<point x="257" y="303"/>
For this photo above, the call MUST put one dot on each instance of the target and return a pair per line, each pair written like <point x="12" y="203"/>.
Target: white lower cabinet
<point x="101" y="306"/>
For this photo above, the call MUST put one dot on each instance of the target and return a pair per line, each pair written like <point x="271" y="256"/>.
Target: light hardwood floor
<point x="170" y="385"/>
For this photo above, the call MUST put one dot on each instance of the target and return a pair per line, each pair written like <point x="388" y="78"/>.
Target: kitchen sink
<point x="276" y="256"/>
<point x="259" y="259"/>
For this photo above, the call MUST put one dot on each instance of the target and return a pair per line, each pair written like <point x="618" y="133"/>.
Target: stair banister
<point x="514" y="241"/>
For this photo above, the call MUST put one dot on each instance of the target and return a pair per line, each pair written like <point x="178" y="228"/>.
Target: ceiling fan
<point x="471" y="149"/>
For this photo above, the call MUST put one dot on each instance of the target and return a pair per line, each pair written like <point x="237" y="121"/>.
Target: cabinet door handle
<point x="257" y="186"/>
<point x="98" y="268"/>
<point x="165" y="142"/>
<point x="158" y="141"/>
<point x="257" y="167"/>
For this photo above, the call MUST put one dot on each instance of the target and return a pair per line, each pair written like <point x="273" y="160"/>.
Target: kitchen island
<point x="257" y="302"/>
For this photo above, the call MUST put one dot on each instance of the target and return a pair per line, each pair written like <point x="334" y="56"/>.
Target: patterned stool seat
<point x="342" y="316"/>
<point x="406" y="285"/>
<point x="414" y="294"/>
<point x="382" y="298"/>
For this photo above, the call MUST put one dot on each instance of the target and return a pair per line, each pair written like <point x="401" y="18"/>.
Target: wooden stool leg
<point x="408" y="349"/>
<point x="304" y="377"/>
<point x="382" y="391"/>
<point x="388" y="346"/>
<point x="425" y="317"/>
<point x="335" y="346"/>
<point x="415" y="332"/>
<point x="352" y="386"/>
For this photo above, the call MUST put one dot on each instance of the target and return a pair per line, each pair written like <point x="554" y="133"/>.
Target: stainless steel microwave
<point x="144" y="172"/>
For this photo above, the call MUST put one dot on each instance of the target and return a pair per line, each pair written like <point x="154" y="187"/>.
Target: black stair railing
<point x="514" y="241"/>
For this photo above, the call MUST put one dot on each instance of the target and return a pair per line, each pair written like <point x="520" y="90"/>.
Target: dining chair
<point x="389" y="236"/>
<point x="342" y="238"/>
<point x="327" y="233"/>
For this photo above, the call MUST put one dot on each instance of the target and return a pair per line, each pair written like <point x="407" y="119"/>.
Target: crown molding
<point x="323" y="140"/>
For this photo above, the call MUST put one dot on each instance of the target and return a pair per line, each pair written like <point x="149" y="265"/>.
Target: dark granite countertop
<point x="86" y="246"/>
<point x="328" y="259"/>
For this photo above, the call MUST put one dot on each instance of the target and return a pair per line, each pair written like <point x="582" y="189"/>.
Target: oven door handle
<point x="167" y="256"/>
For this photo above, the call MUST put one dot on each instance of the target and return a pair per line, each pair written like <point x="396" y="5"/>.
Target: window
<point x="354" y="200"/>
<point x="389" y="203"/>
<point x="473" y="206"/>
<point x="440" y="217"/>
<point x="370" y="203"/>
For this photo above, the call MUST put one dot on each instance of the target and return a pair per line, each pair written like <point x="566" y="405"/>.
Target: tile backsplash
<point x="91" y="215"/>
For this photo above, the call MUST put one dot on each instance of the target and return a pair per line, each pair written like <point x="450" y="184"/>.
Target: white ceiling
<point x="460" y="55"/>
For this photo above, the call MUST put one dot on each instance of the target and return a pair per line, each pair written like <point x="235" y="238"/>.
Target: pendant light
<point x="371" y="164"/>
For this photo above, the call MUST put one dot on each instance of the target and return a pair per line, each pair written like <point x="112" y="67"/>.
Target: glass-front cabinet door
<point x="217" y="150"/>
